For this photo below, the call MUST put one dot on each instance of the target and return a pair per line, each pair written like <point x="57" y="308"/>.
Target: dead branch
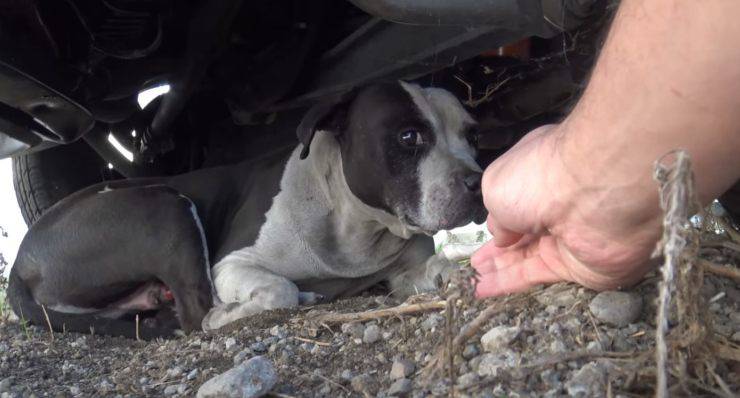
<point x="727" y="272"/>
<point x="403" y="309"/>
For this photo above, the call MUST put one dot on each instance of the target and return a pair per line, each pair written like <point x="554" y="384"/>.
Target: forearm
<point x="668" y="77"/>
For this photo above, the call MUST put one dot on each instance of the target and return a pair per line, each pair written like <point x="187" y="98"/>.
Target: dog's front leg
<point x="247" y="290"/>
<point x="422" y="277"/>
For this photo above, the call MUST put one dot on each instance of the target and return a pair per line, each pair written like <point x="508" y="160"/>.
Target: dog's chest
<point x="313" y="231"/>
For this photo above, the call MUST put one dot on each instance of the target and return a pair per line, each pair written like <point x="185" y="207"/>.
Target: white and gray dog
<point x="389" y="165"/>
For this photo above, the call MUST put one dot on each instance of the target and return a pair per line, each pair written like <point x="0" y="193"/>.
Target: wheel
<point x="730" y="200"/>
<point x="43" y="178"/>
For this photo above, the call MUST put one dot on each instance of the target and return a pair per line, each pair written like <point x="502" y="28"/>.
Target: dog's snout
<point x="472" y="182"/>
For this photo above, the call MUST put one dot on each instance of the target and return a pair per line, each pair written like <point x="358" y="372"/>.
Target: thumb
<point x="502" y="236"/>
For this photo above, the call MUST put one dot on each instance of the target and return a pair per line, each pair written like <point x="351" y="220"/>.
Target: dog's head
<point x="406" y="150"/>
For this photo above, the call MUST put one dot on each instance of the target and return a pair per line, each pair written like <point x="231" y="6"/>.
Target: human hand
<point x="552" y="220"/>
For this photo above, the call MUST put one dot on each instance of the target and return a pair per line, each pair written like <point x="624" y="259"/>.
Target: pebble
<point x="400" y="387"/>
<point x="258" y="346"/>
<point x="558" y="346"/>
<point x="616" y="308"/>
<point x="253" y="378"/>
<point x="594" y="346"/>
<point x="490" y="363"/>
<point x="432" y="322"/>
<point x="174" y="389"/>
<point x="241" y="356"/>
<point x="401" y="368"/>
<point x="278" y="332"/>
<point x="74" y="390"/>
<point x="192" y="375"/>
<point x="364" y="383"/>
<point x="555" y="296"/>
<point x="6" y="383"/>
<point x="230" y="344"/>
<point x="588" y="381"/>
<point x="371" y="334"/>
<point x="354" y="329"/>
<point x="736" y="337"/>
<point x="466" y="380"/>
<point x="470" y="351"/>
<point x="346" y="375"/>
<point x="174" y="372"/>
<point x="499" y="338"/>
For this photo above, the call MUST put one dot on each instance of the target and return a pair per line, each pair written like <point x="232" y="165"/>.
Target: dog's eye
<point x="410" y="138"/>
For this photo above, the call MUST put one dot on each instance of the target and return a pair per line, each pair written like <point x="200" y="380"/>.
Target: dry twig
<point x="727" y="272"/>
<point x="402" y="309"/>
<point x="48" y="323"/>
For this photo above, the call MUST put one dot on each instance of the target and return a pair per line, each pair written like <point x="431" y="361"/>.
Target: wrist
<point x="597" y="180"/>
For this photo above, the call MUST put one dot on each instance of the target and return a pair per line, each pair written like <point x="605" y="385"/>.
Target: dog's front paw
<point x="309" y="298"/>
<point x="226" y="313"/>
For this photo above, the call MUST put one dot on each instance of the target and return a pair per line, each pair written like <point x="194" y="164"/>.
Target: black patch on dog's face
<point x="380" y="170"/>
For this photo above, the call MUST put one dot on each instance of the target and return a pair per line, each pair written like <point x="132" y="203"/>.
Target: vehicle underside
<point x="238" y="76"/>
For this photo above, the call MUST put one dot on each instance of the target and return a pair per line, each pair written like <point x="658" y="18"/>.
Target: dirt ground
<point x="555" y="342"/>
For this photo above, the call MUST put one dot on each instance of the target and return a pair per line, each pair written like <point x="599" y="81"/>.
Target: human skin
<point x="576" y="201"/>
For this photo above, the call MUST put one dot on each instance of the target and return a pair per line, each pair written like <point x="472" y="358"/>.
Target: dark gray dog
<point x="390" y="165"/>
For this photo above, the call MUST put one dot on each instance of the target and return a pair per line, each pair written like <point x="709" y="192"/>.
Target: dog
<point x="377" y="172"/>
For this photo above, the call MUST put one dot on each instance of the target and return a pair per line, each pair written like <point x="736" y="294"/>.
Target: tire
<point x="730" y="200"/>
<point x="43" y="178"/>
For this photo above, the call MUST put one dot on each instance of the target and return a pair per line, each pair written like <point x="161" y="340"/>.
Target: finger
<point x="490" y="258"/>
<point x="518" y="277"/>
<point x="502" y="236"/>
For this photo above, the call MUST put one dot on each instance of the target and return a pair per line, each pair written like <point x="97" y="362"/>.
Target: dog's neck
<point x="327" y="168"/>
<point x="315" y="220"/>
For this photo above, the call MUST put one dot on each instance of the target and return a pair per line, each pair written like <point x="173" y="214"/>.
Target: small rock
<point x="735" y="337"/>
<point x="354" y="329"/>
<point x="432" y="322"/>
<point x="258" y="346"/>
<point x="555" y="296"/>
<point x="401" y="368"/>
<point x="192" y="375"/>
<point x="400" y="387"/>
<point x="325" y="390"/>
<point x="174" y="372"/>
<point x="490" y="364"/>
<point x="278" y="332"/>
<point x="616" y="308"/>
<point x="594" y="346"/>
<point x="371" y="334"/>
<point x="253" y="378"/>
<point x="364" y="383"/>
<point x="6" y="383"/>
<point x="735" y="317"/>
<point x="499" y="337"/>
<point x="467" y="380"/>
<point x="346" y="375"/>
<point x="171" y="390"/>
<point x="230" y="343"/>
<point x="105" y="385"/>
<point x="558" y="346"/>
<point x="588" y="381"/>
<point x="242" y="356"/>
<point x="470" y="351"/>
<point x="74" y="390"/>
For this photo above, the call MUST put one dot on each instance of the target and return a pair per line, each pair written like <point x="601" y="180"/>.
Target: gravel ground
<point x="563" y="340"/>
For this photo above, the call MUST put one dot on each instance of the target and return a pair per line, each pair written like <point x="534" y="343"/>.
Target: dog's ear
<point x="329" y="115"/>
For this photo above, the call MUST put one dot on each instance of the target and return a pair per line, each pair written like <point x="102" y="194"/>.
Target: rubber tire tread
<point x="43" y="178"/>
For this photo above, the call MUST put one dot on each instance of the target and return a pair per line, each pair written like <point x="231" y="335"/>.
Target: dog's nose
<point x="472" y="182"/>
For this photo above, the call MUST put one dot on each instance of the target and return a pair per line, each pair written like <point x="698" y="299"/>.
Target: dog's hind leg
<point x="247" y="290"/>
